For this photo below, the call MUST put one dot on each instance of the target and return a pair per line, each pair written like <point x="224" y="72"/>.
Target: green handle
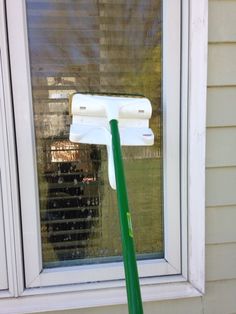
<point x="130" y="265"/>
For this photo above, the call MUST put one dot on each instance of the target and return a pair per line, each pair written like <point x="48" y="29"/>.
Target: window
<point x="81" y="214"/>
<point x="68" y="212"/>
<point x="96" y="47"/>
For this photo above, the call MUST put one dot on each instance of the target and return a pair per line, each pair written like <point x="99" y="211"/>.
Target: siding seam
<point x="218" y="43"/>
<point x="203" y="305"/>
<point x="232" y="126"/>
<point x="220" y="243"/>
<point x="220" y="166"/>
<point x="221" y="280"/>
<point x="221" y="86"/>
<point x="219" y="206"/>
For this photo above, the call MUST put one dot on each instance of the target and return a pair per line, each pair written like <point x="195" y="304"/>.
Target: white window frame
<point x="3" y="267"/>
<point x="11" y="258"/>
<point x="3" y="270"/>
<point x="36" y="276"/>
<point x="184" y="280"/>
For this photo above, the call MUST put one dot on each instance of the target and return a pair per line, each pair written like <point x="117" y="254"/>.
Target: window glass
<point x="95" y="46"/>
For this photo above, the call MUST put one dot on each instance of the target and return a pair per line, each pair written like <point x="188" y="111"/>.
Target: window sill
<point x="95" y="295"/>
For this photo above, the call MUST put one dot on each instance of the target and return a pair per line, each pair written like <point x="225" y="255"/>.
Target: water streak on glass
<point x="108" y="46"/>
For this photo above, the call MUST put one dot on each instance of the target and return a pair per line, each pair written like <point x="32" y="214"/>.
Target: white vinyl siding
<point x="221" y="160"/>
<point x="222" y="21"/>
<point x="221" y="225"/>
<point x="222" y="71"/>
<point x="221" y="260"/>
<point x="218" y="115"/>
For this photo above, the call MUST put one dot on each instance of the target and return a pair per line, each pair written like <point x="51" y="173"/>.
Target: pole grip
<point x="130" y="265"/>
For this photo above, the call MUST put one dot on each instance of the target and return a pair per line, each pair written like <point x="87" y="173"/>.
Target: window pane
<point x="97" y="47"/>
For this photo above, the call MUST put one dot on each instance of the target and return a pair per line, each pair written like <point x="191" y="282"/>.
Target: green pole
<point x="130" y="265"/>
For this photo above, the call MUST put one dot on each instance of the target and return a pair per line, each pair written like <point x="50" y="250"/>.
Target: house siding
<point x="221" y="161"/>
<point x="220" y="296"/>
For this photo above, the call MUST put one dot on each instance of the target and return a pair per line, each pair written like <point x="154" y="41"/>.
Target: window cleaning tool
<point x="114" y="121"/>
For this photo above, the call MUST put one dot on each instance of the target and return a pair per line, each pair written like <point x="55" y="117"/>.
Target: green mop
<point x="115" y="121"/>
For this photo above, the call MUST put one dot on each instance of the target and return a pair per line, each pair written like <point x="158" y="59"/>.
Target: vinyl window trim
<point x="3" y="268"/>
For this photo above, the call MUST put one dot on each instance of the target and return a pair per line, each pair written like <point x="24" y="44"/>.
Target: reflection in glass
<point x="94" y="46"/>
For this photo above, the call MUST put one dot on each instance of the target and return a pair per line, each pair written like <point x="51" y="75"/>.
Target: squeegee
<point x="115" y="121"/>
